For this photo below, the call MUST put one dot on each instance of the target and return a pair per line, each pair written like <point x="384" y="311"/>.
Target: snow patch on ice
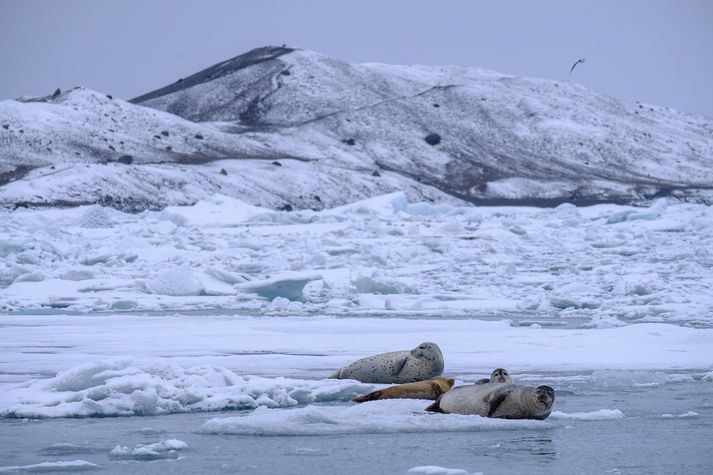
<point x="380" y="417"/>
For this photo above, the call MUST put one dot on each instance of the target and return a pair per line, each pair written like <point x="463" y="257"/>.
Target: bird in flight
<point x="582" y="60"/>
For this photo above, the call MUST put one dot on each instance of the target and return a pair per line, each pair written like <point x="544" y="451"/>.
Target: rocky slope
<point x="290" y="128"/>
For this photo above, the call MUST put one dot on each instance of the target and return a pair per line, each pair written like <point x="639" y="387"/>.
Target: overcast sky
<point x="649" y="50"/>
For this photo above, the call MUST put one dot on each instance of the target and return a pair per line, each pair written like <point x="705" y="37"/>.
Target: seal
<point x="499" y="400"/>
<point x="499" y="375"/>
<point x="431" y="389"/>
<point x="422" y="363"/>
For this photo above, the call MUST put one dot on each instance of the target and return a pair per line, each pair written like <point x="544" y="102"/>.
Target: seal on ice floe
<point x="431" y="389"/>
<point x="499" y="400"/>
<point x="422" y="363"/>
<point x="499" y="375"/>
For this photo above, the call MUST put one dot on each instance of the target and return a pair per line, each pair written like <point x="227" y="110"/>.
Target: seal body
<point x="422" y="363"/>
<point x="499" y="400"/>
<point x="499" y="375"/>
<point x="431" y="389"/>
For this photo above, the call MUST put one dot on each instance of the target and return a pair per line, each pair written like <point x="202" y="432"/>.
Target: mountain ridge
<point x="440" y="133"/>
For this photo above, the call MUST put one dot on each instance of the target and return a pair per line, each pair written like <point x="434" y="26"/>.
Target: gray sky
<point x="649" y="50"/>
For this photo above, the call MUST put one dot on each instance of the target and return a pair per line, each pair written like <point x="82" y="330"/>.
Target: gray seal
<point x="398" y="367"/>
<point x="499" y="375"/>
<point x="499" y="400"/>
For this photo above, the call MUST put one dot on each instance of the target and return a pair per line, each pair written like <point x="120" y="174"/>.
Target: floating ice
<point x="52" y="467"/>
<point x="685" y="415"/>
<point x="600" y="415"/>
<point x="167" y="449"/>
<point x="435" y="470"/>
<point x="136" y="388"/>
<point x="381" y="417"/>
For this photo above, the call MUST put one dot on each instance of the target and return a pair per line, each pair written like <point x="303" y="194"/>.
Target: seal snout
<point x="545" y="395"/>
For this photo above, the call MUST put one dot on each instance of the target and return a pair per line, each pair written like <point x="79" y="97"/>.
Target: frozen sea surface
<point x="227" y="394"/>
<point x="198" y="339"/>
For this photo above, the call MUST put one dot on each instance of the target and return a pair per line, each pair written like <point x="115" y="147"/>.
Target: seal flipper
<point x="336" y="375"/>
<point x="482" y="381"/>
<point x="398" y="366"/>
<point x="436" y="406"/>
<point x="372" y="396"/>
<point x="495" y="402"/>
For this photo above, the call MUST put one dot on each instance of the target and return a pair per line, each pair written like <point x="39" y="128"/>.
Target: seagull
<point x="582" y="60"/>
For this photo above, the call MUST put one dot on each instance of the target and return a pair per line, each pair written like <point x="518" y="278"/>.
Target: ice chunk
<point x="685" y="415"/>
<point x="95" y="217"/>
<point x="177" y="281"/>
<point x="168" y="449"/>
<point x="436" y="470"/>
<point x="290" y="288"/>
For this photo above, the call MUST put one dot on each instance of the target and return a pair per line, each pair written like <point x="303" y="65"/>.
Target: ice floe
<point x="52" y="467"/>
<point x="167" y="449"/>
<point x="382" y="417"/>
<point x="436" y="470"/>
<point x="600" y="415"/>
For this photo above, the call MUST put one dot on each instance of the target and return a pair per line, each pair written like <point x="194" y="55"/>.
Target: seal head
<point x="499" y="375"/>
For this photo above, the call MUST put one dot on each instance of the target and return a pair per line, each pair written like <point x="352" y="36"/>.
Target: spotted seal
<point x="422" y="363"/>
<point x="431" y="389"/>
<point x="499" y="400"/>
<point x="499" y="375"/>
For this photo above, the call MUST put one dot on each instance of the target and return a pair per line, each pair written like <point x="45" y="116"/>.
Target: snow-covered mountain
<point x="287" y="128"/>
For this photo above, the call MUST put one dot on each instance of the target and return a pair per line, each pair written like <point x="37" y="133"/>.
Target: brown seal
<point x="500" y="400"/>
<point x="431" y="389"/>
